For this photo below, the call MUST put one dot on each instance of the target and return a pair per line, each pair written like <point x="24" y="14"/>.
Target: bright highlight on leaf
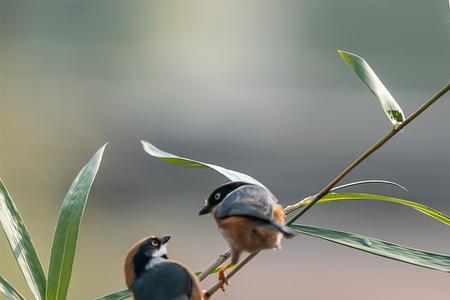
<point x="66" y="232"/>
<point x="21" y="244"/>
<point x="437" y="215"/>
<point x="186" y="162"/>
<point x="334" y="197"/>
<point x="8" y="290"/>
<point x="374" y="246"/>
<point x="364" y="182"/>
<point x="391" y="108"/>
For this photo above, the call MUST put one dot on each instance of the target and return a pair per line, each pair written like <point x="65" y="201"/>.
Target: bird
<point x="150" y="275"/>
<point x="249" y="218"/>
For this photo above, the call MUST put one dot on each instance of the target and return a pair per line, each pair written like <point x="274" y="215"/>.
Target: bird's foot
<point x="223" y="278"/>
<point x="206" y="296"/>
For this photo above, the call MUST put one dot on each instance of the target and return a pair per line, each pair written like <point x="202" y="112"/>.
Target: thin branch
<point x="215" y="287"/>
<point x="219" y="261"/>
<point x="371" y="150"/>
<point x="310" y="202"/>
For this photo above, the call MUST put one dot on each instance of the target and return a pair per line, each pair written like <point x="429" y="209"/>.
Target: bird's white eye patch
<point x="160" y="252"/>
<point x="154" y="243"/>
<point x="217" y="196"/>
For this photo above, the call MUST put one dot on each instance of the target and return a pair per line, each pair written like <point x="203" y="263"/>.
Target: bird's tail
<point x="287" y="233"/>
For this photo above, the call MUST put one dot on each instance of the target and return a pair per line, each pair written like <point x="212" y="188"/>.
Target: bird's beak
<point x="165" y="239"/>
<point x="206" y="209"/>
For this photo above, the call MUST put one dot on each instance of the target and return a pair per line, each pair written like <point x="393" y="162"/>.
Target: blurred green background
<point x="255" y="86"/>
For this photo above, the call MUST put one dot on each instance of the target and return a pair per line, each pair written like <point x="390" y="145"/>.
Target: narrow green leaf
<point x="391" y="108"/>
<point x="8" y="290"/>
<point x="437" y="215"/>
<point x="186" y="162"/>
<point x="215" y="271"/>
<point x="66" y="232"/>
<point x="378" y="247"/>
<point x="123" y="294"/>
<point x="372" y="181"/>
<point x="21" y="244"/>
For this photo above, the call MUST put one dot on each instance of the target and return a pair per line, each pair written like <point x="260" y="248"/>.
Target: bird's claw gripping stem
<point x="223" y="278"/>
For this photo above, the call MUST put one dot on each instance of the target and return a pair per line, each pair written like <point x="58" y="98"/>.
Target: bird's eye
<point x="217" y="196"/>
<point x="154" y="243"/>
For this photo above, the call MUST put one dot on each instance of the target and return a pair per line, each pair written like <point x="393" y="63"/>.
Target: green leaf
<point x="21" y="244"/>
<point x="216" y="270"/>
<point x="8" y="290"/>
<point x="389" y="250"/>
<point x="441" y="217"/>
<point x="123" y="294"/>
<point x="66" y="232"/>
<point x="391" y="108"/>
<point x="372" y="181"/>
<point x="186" y="162"/>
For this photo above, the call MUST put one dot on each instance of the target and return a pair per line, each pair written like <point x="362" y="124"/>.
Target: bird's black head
<point x="150" y="248"/>
<point x="218" y="195"/>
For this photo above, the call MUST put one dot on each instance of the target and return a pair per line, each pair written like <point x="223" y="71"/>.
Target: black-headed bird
<point x="150" y="275"/>
<point x="249" y="217"/>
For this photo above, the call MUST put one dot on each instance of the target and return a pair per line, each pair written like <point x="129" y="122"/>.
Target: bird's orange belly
<point x="249" y="235"/>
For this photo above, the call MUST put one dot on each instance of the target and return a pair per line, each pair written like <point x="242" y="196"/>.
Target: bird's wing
<point x="167" y="280"/>
<point x="248" y="200"/>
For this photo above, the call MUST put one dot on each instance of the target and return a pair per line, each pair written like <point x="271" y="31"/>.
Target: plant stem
<point x="215" y="287"/>
<point x="219" y="260"/>
<point x="222" y="258"/>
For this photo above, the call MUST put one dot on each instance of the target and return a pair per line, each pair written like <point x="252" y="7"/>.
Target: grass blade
<point x="215" y="271"/>
<point x="66" y="232"/>
<point x="391" y="108"/>
<point x="378" y="247"/>
<point x="363" y="182"/>
<point x="437" y="215"/>
<point x="8" y="290"/>
<point x="186" y="162"/>
<point x="123" y="294"/>
<point x="21" y="244"/>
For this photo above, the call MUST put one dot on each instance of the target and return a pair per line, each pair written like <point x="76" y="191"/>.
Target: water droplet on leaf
<point x="367" y="242"/>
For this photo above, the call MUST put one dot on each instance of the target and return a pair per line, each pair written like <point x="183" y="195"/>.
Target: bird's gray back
<point x="248" y="200"/>
<point x="165" y="281"/>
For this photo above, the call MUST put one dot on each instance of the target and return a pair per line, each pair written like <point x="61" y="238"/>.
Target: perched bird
<point x="249" y="218"/>
<point x="149" y="274"/>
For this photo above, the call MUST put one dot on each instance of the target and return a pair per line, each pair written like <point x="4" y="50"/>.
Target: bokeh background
<point x="255" y="86"/>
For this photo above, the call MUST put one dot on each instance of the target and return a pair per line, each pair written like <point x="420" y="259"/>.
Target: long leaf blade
<point x="21" y="244"/>
<point x="391" y="108"/>
<point x="437" y="215"/>
<point x="120" y="295"/>
<point x="66" y="232"/>
<point x="365" y="182"/>
<point x="186" y="162"/>
<point x="393" y="251"/>
<point x="8" y="290"/>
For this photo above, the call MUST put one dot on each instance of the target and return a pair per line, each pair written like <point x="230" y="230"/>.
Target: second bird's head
<point x="143" y="255"/>
<point x="217" y="196"/>
<point x="153" y="247"/>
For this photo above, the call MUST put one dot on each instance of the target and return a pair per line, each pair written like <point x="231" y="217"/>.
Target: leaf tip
<point x="101" y="150"/>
